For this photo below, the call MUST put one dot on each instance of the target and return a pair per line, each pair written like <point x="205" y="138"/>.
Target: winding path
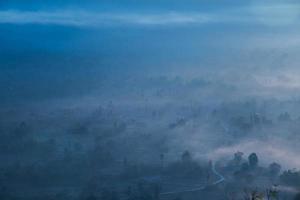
<point x="221" y="177"/>
<point x="220" y="180"/>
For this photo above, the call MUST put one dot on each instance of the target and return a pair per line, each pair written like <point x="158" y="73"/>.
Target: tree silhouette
<point x="253" y="160"/>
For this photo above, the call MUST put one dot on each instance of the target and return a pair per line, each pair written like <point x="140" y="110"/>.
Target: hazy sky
<point x="71" y="41"/>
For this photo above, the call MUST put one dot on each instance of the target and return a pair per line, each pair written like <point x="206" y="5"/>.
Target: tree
<point x="297" y="197"/>
<point x="238" y="157"/>
<point x="284" y="117"/>
<point x="245" y="167"/>
<point x="107" y="194"/>
<point x="253" y="160"/>
<point x="156" y="191"/>
<point x="274" y="169"/>
<point x="290" y="178"/>
<point x="186" y="156"/>
<point x="253" y="195"/>
<point x="272" y="193"/>
<point x="162" y="157"/>
<point x="91" y="197"/>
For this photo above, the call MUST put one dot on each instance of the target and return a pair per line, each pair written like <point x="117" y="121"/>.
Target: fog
<point x="149" y="100"/>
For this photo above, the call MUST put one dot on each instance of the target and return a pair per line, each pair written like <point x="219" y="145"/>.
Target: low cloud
<point x="89" y="19"/>
<point x="275" y="15"/>
<point x="274" y="150"/>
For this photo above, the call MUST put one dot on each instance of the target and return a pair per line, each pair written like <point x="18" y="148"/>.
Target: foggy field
<point x="149" y="100"/>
